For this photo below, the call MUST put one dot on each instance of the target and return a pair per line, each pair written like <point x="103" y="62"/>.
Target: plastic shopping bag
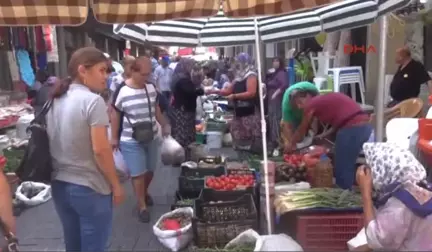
<point x="247" y="237"/>
<point x="172" y="152"/>
<point x="280" y="242"/>
<point x="175" y="240"/>
<point x="33" y="193"/>
<point x="121" y="168"/>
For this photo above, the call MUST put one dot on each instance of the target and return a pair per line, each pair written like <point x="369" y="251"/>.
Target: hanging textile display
<point x="25" y="67"/>
<point x="50" y="37"/>
<point x="13" y="66"/>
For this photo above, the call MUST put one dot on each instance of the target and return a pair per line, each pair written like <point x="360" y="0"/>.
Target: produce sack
<point x="33" y="193"/>
<point x="121" y="168"/>
<point x="280" y="242"/>
<point x="243" y="240"/>
<point x="175" y="240"/>
<point x="172" y="152"/>
<point x="359" y="242"/>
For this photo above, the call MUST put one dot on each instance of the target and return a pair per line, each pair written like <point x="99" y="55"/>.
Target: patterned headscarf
<point x="183" y="70"/>
<point x="184" y="66"/>
<point x="244" y="66"/>
<point x="397" y="173"/>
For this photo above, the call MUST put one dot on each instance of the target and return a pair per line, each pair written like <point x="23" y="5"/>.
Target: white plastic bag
<point x="199" y="109"/>
<point x="279" y="242"/>
<point x="121" y="168"/>
<point x="172" y="152"/>
<point x="248" y="236"/>
<point x="175" y="240"/>
<point x="25" y="191"/>
<point x="358" y="241"/>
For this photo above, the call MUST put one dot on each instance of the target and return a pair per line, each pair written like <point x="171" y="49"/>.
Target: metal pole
<point x="263" y="130"/>
<point x="379" y="134"/>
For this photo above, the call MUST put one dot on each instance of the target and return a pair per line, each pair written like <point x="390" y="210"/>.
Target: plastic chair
<point x="400" y="130"/>
<point x="411" y="108"/>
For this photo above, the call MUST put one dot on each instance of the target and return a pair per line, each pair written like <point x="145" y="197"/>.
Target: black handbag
<point x="143" y="132"/>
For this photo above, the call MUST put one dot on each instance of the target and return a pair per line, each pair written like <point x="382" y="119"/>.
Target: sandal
<point x="144" y="216"/>
<point x="149" y="200"/>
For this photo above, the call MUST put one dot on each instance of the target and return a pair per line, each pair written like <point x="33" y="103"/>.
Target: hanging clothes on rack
<point x="25" y="67"/>
<point x="42" y="61"/>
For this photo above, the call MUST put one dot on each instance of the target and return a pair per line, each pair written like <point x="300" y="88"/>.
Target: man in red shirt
<point x="346" y="119"/>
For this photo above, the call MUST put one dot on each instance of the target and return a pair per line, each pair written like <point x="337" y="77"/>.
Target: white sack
<point x="172" y="152"/>
<point x="280" y="242"/>
<point x="175" y="240"/>
<point x="246" y="237"/>
<point x="43" y="196"/>
<point x="358" y="241"/>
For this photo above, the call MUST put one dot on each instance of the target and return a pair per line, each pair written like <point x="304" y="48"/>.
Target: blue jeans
<point x="348" y="145"/>
<point x="86" y="216"/>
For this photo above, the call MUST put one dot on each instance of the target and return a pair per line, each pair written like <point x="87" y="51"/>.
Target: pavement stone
<point x="39" y="227"/>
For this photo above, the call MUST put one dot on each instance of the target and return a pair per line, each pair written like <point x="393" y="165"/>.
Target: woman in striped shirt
<point x="135" y="103"/>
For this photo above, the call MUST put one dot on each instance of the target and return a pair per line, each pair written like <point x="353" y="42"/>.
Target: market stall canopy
<point x="221" y="30"/>
<point x="74" y="12"/>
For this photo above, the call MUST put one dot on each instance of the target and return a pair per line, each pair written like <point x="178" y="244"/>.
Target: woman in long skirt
<point x="277" y="83"/>
<point x="186" y="88"/>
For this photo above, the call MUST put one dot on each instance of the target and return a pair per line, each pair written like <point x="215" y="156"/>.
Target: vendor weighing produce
<point x="291" y="115"/>
<point x="347" y="120"/>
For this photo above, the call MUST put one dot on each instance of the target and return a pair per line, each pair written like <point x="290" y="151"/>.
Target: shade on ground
<point x="39" y="228"/>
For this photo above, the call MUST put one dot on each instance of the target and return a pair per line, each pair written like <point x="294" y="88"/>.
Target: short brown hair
<point x="139" y="62"/>
<point x="87" y="57"/>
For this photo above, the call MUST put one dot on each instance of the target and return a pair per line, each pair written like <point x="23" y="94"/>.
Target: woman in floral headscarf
<point x="243" y="92"/>
<point x="186" y="87"/>
<point x="402" y="220"/>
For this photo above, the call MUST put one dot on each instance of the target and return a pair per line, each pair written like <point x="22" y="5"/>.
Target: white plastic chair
<point x="400" y="130"/>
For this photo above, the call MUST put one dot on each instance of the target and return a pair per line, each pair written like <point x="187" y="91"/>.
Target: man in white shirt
<point x="163" y="77"/>
<point x="173" y="64"/>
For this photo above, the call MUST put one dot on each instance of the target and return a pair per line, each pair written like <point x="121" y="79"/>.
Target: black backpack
<point x="36" y="164"/>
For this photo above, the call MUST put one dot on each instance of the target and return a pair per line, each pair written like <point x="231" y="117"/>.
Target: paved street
<point x="39" y="228"/>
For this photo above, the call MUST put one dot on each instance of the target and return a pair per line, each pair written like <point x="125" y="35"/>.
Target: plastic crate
<point x="217" y="235"/>
<point x="327" y="231"/>
<point x="190" y="184"/>
<point x="208" y="195"/>
<point x="202" y="172"/>
<point x="186" y="196"/>
<point x="219" y="126"/>
<point x="241" y="209"/>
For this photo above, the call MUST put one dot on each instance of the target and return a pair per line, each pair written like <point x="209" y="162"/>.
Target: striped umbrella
<point x="74" y="12"/>
<point x="224" y="31"/>
<point x="348" y="14"/>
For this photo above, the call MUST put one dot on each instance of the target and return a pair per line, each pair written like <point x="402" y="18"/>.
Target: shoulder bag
<point x="143" y="132"/>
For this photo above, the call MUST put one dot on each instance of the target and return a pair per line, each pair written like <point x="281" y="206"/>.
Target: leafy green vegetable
<point x="14" y="157"/>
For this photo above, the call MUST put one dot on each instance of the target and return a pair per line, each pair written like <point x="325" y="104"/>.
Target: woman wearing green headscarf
<point x="292" y="116"/>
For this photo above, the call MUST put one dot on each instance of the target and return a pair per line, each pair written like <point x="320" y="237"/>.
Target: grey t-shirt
<point x="68" y="125"/>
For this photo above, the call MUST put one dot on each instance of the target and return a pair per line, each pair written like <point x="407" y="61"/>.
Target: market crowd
<point x="152" y="98"/>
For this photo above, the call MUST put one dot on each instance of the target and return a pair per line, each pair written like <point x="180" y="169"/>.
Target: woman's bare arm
<point x="303" y="128"/>
<point x="6" y="211"/>
<point x="103" y="155"/>
<point x="160" y="117"/>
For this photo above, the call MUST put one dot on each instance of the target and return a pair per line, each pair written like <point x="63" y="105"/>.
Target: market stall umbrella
<point x="74" y="12"/>
<point x="345" y="15"/>
<point x="224" y="31"/>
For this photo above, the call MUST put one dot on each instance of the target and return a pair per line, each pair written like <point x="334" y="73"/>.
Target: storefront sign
<point x="352" y="49"/>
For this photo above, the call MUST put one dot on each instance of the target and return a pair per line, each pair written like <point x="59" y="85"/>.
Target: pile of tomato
<point x="293" y="159"/>
<point x="230" y="182"/>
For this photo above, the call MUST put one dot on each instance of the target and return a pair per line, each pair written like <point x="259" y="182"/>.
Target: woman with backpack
<point x="84" y="184"/>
